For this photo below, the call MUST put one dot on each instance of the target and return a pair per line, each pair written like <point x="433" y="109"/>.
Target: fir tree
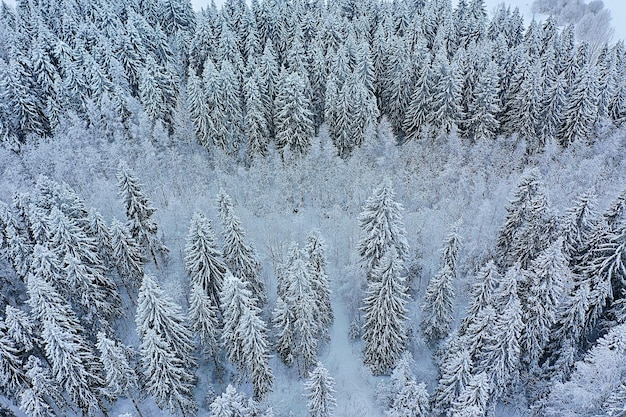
<point x="320" y="392"/>
<point x="385" y="313"/>
<point x="411" y="401"/>
<point x="485" y="107"/>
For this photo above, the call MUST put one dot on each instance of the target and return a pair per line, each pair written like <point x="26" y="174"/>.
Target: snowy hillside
<point x="292" y="208"/>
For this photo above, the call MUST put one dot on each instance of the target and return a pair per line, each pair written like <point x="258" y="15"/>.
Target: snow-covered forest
<point x="309" y="208"/>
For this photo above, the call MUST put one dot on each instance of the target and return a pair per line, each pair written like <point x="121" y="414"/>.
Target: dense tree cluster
<point x="251" y="76"/>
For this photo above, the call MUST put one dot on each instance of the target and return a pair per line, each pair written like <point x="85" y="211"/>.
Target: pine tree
<point x="150" y="91"/>
<point x="203" y="258"/>
<point x="320" y="390"/>
<point x="381" y="224"/>
<point x="446" y="106"/>
<point x="34" y="405"/>
<point x="139" y="211"/>
<point x="385" y="313"/>
<point x="293" y="117"/>
<point x="240" y="256"/>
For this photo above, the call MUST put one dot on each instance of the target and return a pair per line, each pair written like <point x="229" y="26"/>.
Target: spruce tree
<point x="203" y="319"/>
<point x="235" y="299"/>
<point x="127" y="255"/>
<point x="167" y="378"/>
<point x="384" y="305"/>
<point x="381" y="224"/>
<point x="320" y="392"/>
<point x="293" y="118"/>
<point x="320" y="286"/>
<point x="73" y="361"/>
<point x="548" y="274"/>
<point x="581" y="110"/>
<point x="120" y="376"/>
<point x="139" y="211"/>
<point x="251" y="330"/>
<point x="240" y="256"/>
<point x="157" y="311"/>
<point x="203" y="259"/>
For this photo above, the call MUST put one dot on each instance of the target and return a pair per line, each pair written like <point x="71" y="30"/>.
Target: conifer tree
<point x="548" y="274"/>
<point x="293" y="118"/>
<point x="252" y="332"/>
<point x="385" y="313"/>
<point x="74" y="364"/>
<point x="120" y="377"/>
<point x="157" y="311"/>
<point x="320" y="286"/>
<point x="139" y="211"/>
<point x="412" y="400"/>
<point x="485" y="107"/>
<point x="320" y="392"/>
<point x="20" y="328"/>
<point x="203" y="259"/>
<point x="199" y="111"/>
<point x="167" y="379"/>
<point x="127" y="255"/>
<point x="439" y="297"/>
<point x="381" y="224"/>
<point x="456" y="372"/>
<point x="257" y="126"/>
<point x="240" y="256"/>
<point x="582" y="108"/>
<point x="235" y="298"/>
<point x="501" y="358"/>
<point x="203" y="318"/>
<point x="475" y="398"/>
<point x="418" y="111"/>
<point x="529" y="223"/>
